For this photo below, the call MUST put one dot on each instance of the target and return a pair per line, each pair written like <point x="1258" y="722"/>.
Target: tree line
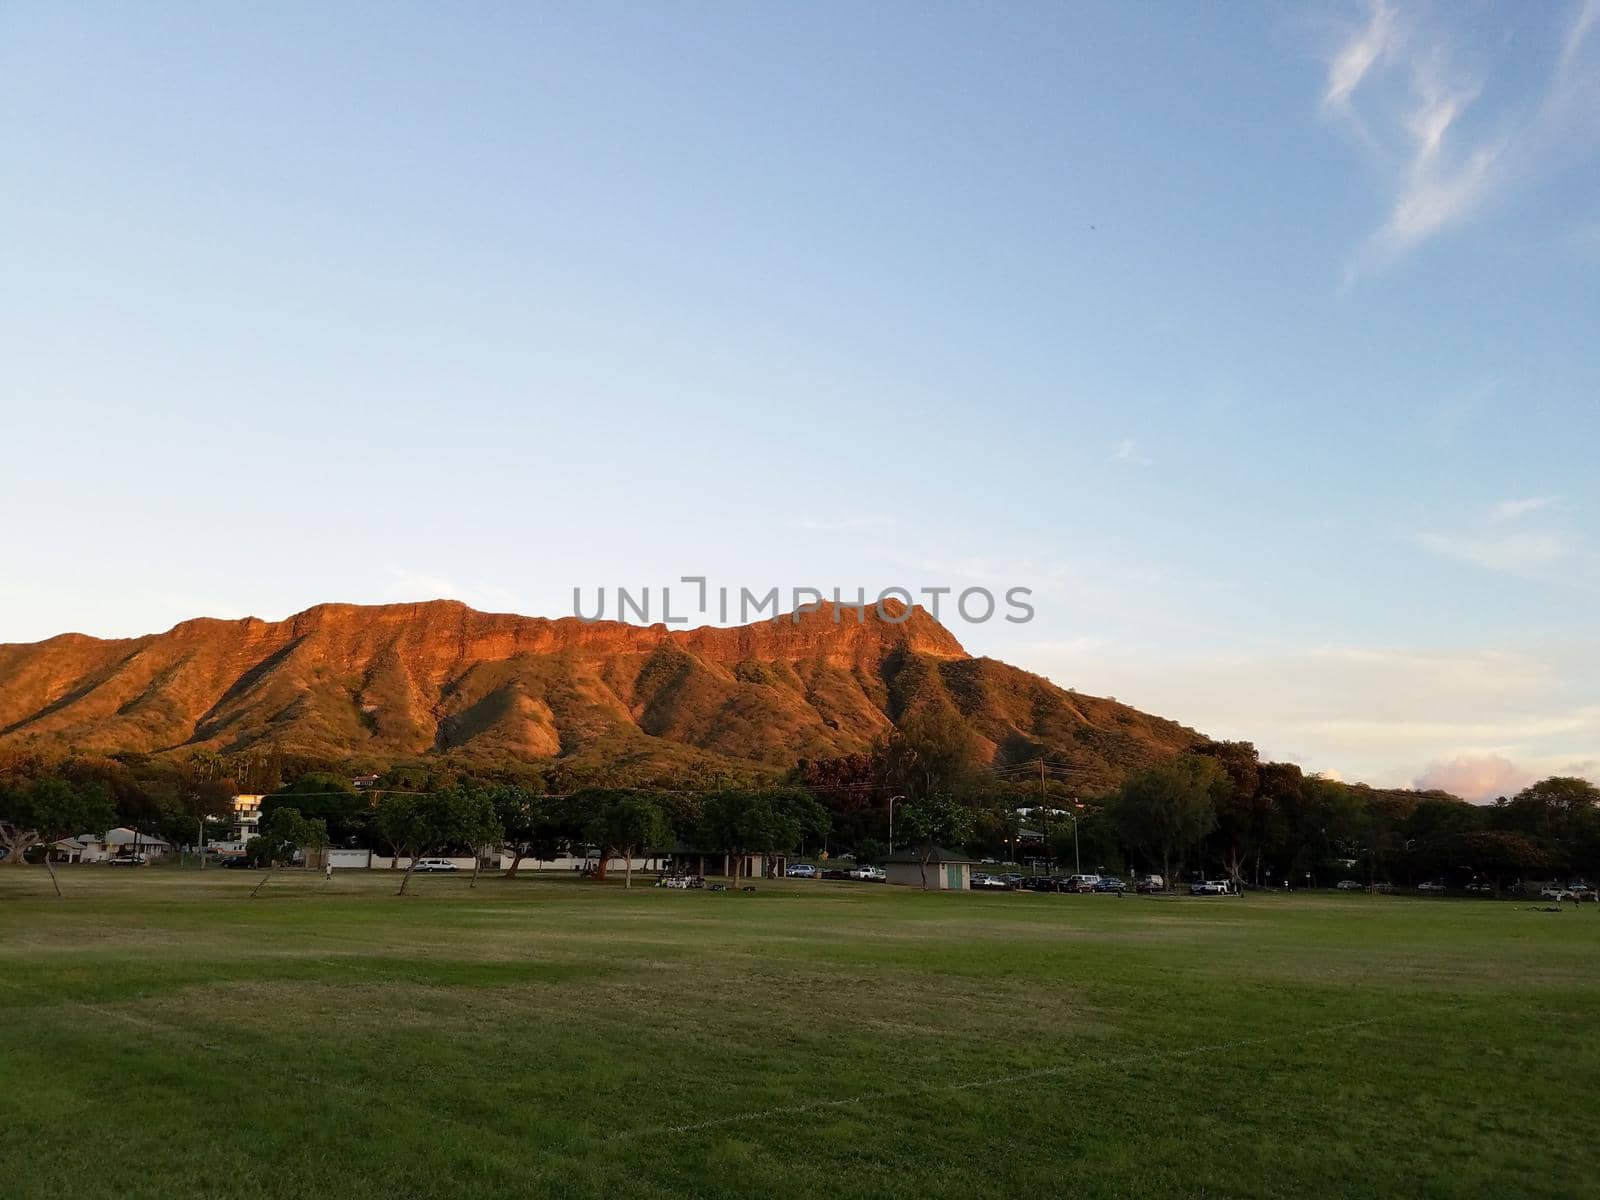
<point x="1217" y="810"/>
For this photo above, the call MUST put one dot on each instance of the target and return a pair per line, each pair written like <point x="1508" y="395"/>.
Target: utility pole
<point x="1044" y="815"/>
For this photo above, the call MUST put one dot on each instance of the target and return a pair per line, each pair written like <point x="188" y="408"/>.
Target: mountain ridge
<point x="398" y="681"/>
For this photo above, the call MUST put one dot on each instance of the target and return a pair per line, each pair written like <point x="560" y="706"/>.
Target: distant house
<point x="946" y="870"/>
<point x="68" y="850"/>
<point x="121" y="842"/>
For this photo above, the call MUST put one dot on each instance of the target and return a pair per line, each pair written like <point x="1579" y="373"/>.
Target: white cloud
<point x="1402" y="86"/>
<point x="1447" y="418"/>
<point x="1357" y="56"/>
<point x="1378" y="714"/>
<point x="1505" y="539"/>
<point x="843" y="524"/>
<point x="1578" y="33"/>
<point x="1514" y="553"/>
<point x="1476" y="777"/>
<point x="406" y="584"/>
<point x="1514" y="509"/>
<point x="1127" y="451"/>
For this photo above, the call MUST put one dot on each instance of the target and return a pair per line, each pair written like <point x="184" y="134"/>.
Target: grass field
<point x="164" y="1036"/>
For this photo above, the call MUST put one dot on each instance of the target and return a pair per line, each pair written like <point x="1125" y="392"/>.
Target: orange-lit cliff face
<point x="407" y="679"/>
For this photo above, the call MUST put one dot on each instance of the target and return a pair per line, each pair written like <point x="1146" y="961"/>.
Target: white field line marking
<point x="810" y="1106"/>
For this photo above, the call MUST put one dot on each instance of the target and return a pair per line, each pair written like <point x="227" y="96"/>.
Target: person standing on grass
<point x="327" y="870"/>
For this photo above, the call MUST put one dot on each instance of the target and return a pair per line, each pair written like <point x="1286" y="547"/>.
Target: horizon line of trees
<point x="1216" y="810"/>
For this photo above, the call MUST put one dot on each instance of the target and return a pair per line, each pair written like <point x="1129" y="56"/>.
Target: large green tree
<point x="1243" y="809"/>
<point x="421" y="826"/>
<point x="534" y="825"/>
<point x="627" y="826"/>
<point x="1164" y="811"/>
<point x="741" y="823"/>
<point x="47" y="810"/>
<point x="282" y="834"/>
<point x="1553" y="813"/>
<point x="1499" y="855"/>
<point x="330" y="798"/>
<point x="937" y="819"/>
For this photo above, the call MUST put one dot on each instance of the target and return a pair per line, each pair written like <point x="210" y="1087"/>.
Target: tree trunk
<point x="477" y="862"/>
<point x="49" y="867"/>
<point x="405" y="879"/>
<point x="516" y="862"/>
<point x="266" y="879"/>
<point x="17" y="845"/>
<point x="923" y="868"/>
<point x="600" y="868"/>
<point x="627" y="869"/>
<point x="1236" y="868"/>
<point x="1166" y="868"/>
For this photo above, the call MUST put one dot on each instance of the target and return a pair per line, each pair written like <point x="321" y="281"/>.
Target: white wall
<point x="380" y="862"/>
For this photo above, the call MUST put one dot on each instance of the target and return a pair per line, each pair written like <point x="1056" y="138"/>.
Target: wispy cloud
<point x="1356" y="57"/>
<point x="1508" y="538"/>
<point x="1127" y="451"/>
<point x="841" y="524"/>
<point x="1402" y="84"/>
<point x="406" y="584"/>
<point x="1515" y="509"/>
<point x="1516" y="553"/>
<point x="1446" y="419"/>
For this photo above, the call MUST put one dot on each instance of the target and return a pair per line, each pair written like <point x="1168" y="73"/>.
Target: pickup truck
<point x="1209" y="887"/>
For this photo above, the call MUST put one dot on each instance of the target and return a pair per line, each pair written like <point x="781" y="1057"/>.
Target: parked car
<point x="801" y="871"/>
<point x="874" y="874"/>
<point x="239" y="862"/>
<point x="1349" y="885"/>
<point x="837" y="873"/>
<point x="435" y="864"/>
<point x="1147" y="884"/>
<point x="127" y="860"/>
<point x="1554" y="893"/>
<point x="989" y="883"/>
<point x="1110" y="883"/>
<point x="1432" y="886"/>
<point x="1082" y="884"/>
<point x="1209" y="887"/>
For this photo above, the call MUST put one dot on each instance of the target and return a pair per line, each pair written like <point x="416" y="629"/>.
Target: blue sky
<point x="1259" y="340"/>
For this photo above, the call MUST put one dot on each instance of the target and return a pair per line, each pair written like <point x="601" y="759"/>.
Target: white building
<point x="121" y="842"/>
<point x="247" y="819"/>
